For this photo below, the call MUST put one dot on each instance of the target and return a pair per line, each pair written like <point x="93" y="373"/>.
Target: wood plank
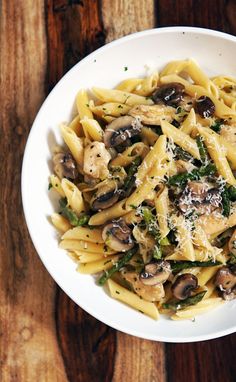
<point x="27" y="329"/>
<point x="202" y="361"/>
<point x="139" y="360"/>
<point x="74" y="29"/>
<point x="220" y="15"/>
<point x="121" y="17"/>
<point x="88" y="346"/>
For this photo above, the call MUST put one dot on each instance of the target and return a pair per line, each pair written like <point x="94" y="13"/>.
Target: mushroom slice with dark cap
<point x="193" y="192"/>
<point x="205" y="107"/>
<point x="198" y="196"/>
<point x="120" y="130"/>
<point x="184" y="285"/>
<point x="170" y="94"/>
<point x="117" y="235"/>
<point x="65" y="166"/>
<point x="225" y="278"/>
<point x="229" y="295"/>
<point x="156" y="272"/>
<point x="105" y="196"/>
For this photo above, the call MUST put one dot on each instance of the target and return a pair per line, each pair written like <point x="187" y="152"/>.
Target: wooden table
<point x="44" y="335"/>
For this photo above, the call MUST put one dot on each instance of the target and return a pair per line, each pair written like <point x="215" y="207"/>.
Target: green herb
<point x="225" y="202"/>
<point x="202" y="150"/>
<point x="182" y="154"/>
<point x="177" y="266"/>
<point x="232" y="259"/>
<point x="179" y="110"/>
<point x="49" y="186"/>
<point x="216" y="126"/>
<point x="69" y="214"/>
<point x="193" y="300"/>
<point x="165" y="241"/>
<point x="130" y="179"/>
<point x="117" y="266"/>
<point x="157" y="253"/>
<point x="125" y="68"/>
<point x="133" y="206"/>
<point x="195" y="174"/>
<point x="151" y="223"/>
<point x="232" y="193"/>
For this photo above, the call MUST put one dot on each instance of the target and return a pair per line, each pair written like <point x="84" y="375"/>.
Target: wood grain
<point x="74" y="29"/>
<point x="27" y="329"/>
<point x="88" y="346"/>
<point x="213" y="14"/>
<point x="202" y="361"/>
<point x="122" y="17"/>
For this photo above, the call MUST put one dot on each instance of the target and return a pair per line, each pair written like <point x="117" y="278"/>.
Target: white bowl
<point x="215" y="52"/>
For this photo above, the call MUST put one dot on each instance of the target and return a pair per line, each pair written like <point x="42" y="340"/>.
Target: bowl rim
<point x="99" y="316"/>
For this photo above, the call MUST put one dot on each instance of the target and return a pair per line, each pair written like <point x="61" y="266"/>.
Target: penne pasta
<point x="85" y="246"/>
<point x="60" y="222"/>
<point x="124" y="295"/>
<point x="82" y="103"/>
<point x="83" y="233"/>
<point x="180" y="138"/>
<point x="148" y="190"/>
<point x="74" y="143"/>
<point x="120" y="96"/>
<point x="218" y="155"/>
<point x="97" y="266"/>
<point x="110" y="213"/>
<point x="73" y="195"/>
<point x="162" y="207"/>
<point x="92" y="129"/>
<point x="56" y="184"/>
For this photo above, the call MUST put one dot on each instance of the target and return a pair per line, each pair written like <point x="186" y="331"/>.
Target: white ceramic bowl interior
<point x="140" y="53"/>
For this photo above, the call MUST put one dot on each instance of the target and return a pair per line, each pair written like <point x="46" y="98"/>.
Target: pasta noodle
<point x="147" y="190"/>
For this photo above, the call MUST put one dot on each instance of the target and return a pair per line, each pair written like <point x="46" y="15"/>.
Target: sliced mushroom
<point x="65" y="166"/>
<point x="199" y="197"/>
<point x="156" y="272"/>
<point x="229" y="295"/>
<point x="117" y="235"/>
<point x="225" y="278"/>
<point x="105" y="196"/>
<point x="120" y="130"/>
<point x="147" y="292"/>
<point x="171" y="94"/>
<point x="96" y="159"/>
<point x="184" y="285"/>
<point x="154" y="114"/>
<point x="194" y="192"/>
<point x="232" y="243"/>
<point x="205" y="107"/>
